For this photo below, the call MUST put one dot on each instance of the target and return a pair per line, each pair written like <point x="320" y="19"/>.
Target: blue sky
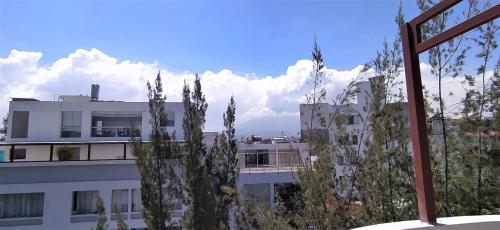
<point x="261" y="37"/>
<point x="256" y="51"/>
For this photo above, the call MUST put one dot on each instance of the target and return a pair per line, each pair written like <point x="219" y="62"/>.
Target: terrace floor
<point x="485" y="222"/>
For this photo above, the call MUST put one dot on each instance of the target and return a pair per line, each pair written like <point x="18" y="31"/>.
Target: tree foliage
<point x="225" y="171"/>
<point x="199" y="192"/>
<point x="101" y="215"/>
<point x="160" y="184"/>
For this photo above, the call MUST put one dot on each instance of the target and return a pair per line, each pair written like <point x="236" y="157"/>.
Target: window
<point x="341" y="160"/>
<point x="170" y="119"/>
<point x="354" y="139"/>
<point x="259" y="193"/>
<point x="119" y="200"/>
<point x="21" y="205"/>
<point x="84" y="202"/>
<point x="20" y="122"/>
<point x="353" y="120"/>
<point x="68" y="154"/>
<point x="136" y="200"/>
<point x="257" y="159"/>
<point x="71" y="124"/>
<point x="177" y="204"/>
<point x="116" y="124"/>
<point x="287" y="192"/>
<point x="19" y="154"/>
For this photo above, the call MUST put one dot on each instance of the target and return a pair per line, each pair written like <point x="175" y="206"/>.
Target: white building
<point x="356" y="129"/>
<point x="40" y="190"/>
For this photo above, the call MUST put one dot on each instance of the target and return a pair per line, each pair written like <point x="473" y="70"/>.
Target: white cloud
<point x="21" y="75"/>
<point x="256" y="97"/>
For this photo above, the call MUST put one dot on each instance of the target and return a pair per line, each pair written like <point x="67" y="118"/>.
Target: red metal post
<point x="421" y="160"/>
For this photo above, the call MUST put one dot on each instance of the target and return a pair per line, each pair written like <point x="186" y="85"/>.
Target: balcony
<point x="116" y="132"/>
<point x="65" y="151"/>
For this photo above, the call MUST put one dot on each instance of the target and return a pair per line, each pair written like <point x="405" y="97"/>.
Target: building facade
<point x="60" y="156"/>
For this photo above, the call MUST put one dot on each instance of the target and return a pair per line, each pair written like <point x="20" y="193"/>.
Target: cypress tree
<point x="101" y="215"/>
<point x="197" y="184"/>
<point x="156" y="160"/>
<point x="225" y="172"/>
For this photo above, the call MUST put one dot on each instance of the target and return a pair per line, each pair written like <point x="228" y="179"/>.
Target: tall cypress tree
<point x="225" y="172"/>
<point x="156" y="160"/>
<point x="197" y="184"/>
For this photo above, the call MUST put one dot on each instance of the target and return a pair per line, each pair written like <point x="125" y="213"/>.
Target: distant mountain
<point x="270" y="126"/>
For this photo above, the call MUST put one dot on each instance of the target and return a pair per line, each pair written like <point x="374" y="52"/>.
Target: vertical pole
<point x="51" y="157"/>
<point x="89" y="147"/>
<point x="421" y="160"/>
<point x="11" y="154"/>
<point x="125" y="151"/>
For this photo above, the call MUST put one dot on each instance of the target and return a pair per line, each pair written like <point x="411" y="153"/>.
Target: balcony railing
<point x="116" y="132"/>
<point x="86" y="151"/>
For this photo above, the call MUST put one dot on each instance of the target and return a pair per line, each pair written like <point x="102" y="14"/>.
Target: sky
<point x="257" y="51"/>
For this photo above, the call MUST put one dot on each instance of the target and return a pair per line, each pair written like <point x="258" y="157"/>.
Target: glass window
<point x="287" y="192"/>
<point x="19" y="154"/>
<point x="259" y="193"/>
<point x="119" y="199"/>
<point x="20" y="123"/>
<point x="71" y="124"/>
<point x="353" y="120"/>
<point x="256" y="159"/>
<point x="136" y="200"/>
<point x="21" y="205"/>
<point x="84" y="202"/>
<point x="354" y="139"/>
<point x="116" y="124"/>
<point x="68" y="154"/>
<point x="177" y="204"/>
<point x="170" y="119"/>
<point x="341" y="160"/>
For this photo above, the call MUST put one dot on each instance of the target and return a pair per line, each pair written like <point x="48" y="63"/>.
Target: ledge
<point x="484" y="222"/>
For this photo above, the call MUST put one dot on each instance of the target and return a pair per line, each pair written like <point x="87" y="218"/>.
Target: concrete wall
<point x="58" y="180"/>
<point x="45" y="118"/>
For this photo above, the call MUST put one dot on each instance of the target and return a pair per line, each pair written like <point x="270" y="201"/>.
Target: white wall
<point x="45" y="118"/>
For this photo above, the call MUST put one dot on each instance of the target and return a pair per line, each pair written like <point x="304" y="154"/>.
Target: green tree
<point x="5" y="123"/>
<point x="477" y="102"/>
<point x="246" y="215"/>
<point x="197" y="184"/>
<point x="225" y="172"/>
<point x="120" y="223"/>
<point x="156" y="161"/>
<point x="446" y="61"/>
<point x="386" y="182"/>
<point x="319" y="201"/>
<point x="101" y="215"/>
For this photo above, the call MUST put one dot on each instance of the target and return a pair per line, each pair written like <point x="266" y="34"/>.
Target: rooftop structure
<point x="44" y="189"/>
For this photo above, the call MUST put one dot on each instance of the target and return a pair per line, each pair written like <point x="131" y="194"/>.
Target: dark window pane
<point x="20" y="123"/>
<point x="19" y="154"/>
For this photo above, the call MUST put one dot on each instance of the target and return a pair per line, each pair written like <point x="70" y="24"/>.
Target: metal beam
<point x="484" y="17"/>
<point x="420" y="145"/>
<point x="51" y="158"/>
<point x="432" y="12"/>
<point x="125" y="151"/>
<point x="11" y="153"/>
<point x="89" y="147"/>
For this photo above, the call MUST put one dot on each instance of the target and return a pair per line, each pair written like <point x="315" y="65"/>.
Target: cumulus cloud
<point x="256" y="97"/>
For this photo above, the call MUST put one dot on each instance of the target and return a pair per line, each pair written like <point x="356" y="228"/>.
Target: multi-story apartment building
<point x="60" y="156"/>
<point x="356" y="113"/>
